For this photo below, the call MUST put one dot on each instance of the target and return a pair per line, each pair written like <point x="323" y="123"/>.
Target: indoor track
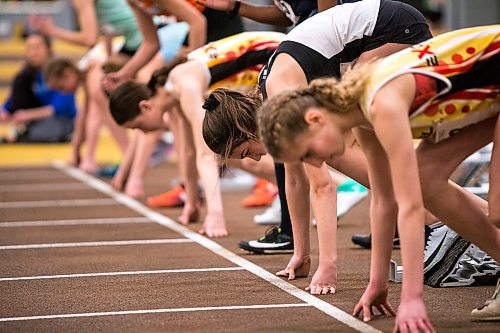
<point x="77" y="256"/>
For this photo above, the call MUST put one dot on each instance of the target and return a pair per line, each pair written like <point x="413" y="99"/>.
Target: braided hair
<point x="282" y="117"/>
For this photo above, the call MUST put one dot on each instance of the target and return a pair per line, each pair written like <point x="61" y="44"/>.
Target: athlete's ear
<point x="145" y="105"/>
<point x="314" y="116"/>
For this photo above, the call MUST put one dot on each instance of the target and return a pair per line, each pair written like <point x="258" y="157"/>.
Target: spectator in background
<point x="36" y="112"/>
<point x="98" y="18"/>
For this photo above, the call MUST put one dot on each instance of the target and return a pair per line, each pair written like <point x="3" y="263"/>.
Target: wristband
<point x="236" y="9"/>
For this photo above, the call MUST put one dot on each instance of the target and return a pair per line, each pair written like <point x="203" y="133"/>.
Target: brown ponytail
<point x="230" y="120"/>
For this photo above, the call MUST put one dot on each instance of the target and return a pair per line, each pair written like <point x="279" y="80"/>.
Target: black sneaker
<point x="273" y="242"/>
<point x="443" y="250"/>
<point x="365" y="241"/>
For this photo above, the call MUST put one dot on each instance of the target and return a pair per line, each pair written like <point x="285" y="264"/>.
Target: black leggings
<point x="286" y="223"/>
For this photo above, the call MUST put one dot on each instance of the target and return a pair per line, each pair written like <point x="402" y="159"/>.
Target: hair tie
<point x="210" y="103"/>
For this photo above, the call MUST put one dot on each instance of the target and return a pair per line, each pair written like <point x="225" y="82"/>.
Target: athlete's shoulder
<point x="337" y="21"/>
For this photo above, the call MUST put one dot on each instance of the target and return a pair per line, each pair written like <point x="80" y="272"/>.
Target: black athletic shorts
<point x="127" y="51"/>
<point x="219" y="25"/>
<point x="398" y="22"/>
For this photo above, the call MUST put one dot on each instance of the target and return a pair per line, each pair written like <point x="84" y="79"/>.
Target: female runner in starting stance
<point x="444" y="91"/>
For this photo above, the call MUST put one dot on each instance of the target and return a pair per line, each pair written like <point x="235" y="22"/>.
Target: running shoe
<point x="474" y="268"/>
<point x="271" y="215"/>
<point x="161" y="152"/>
<point x="273" y="242"/>
<point x="365" y="241"/>
<point x="173" y="198"/>
<point x="263" y="194"/>
<point x="490" y="311"/>
<point x="443" y="250"/>
<point x="232" y="180"/>
<point x="108" y="171"/>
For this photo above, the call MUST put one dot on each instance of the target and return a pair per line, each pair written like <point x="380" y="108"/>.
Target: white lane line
<point x="135" y="312"/>
<point x="319" y="304"/>
<point x="87" y="244"/>
<point x="82" y="275"/>
<point x="42" y="187"/>
<point x="30" y="175"/>
<point x="58" y="203"/>
<point x="51" y="223"/>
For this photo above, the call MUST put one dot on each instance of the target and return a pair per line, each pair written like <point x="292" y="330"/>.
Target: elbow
<point x="322" y="190"/>
<point x="201" y="23"/>
<point x="297" y="182"/>
<point x="52" y="110"/>
<point x="322" y="183"/>
<point x="153" y="44"/>
<point x="412" y="212"/>
<point x="383" y="206"/>
<point x="199" y="26"/>
<point x="89" y="41"/>
<point x="205" y="154"/>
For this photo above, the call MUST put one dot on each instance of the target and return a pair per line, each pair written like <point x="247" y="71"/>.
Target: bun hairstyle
<point x="211" y="103"/>
<point x="230" y="120"/>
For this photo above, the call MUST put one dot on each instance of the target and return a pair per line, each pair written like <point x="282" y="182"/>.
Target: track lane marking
<point x="42" y="187"/>
<point x="171" y="310"/>
<point x="319" y="304"/>
<point x="58" y="203"/>
<point x="28" y="173"/>
<point x="82" y="275"/>
<point x="51" y="223"/>
<point x="89" y="244"/>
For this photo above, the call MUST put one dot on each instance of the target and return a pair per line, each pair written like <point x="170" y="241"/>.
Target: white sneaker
<point x="271" y="215"/>
<point x="236" y="180"/>
<point x="347" y="200"/>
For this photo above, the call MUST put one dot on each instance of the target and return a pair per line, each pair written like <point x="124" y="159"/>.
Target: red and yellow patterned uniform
<point x="235" y="62"/>
<point x="466" y="67"/>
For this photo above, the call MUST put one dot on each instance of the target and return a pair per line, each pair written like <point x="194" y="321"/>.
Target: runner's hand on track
<point x="412" y="317"/>
<point x="214" y="225"/>
<point x="298" y="266"/>
<point x="373" y="297"/>
<point x="134" y="187"/>
<point x="88" y="165"/>
<point x="324" y="281"/>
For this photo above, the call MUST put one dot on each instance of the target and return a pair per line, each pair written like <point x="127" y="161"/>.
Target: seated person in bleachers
<point x="36" y="112"/>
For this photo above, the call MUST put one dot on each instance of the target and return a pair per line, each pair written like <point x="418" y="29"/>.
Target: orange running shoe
<point x="263" y="194"/>
<point x="173" y="198"/>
